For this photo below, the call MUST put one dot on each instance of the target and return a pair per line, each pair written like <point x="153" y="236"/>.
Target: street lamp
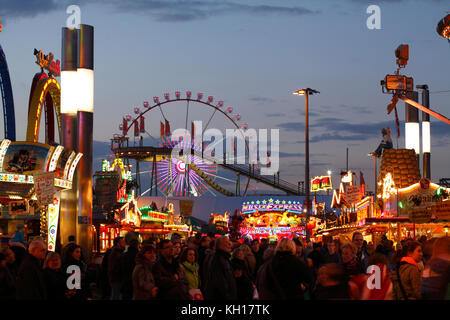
<point x="306" y="92"/>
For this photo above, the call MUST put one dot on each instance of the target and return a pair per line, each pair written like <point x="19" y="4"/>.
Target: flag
<point x="142" y="125"/>
<point x="167" y="132"/>
<point x="361" y="178"/>
<point x="162" y="129"/>
<point x="136" y="129"/>
<point x="124" y="126"/>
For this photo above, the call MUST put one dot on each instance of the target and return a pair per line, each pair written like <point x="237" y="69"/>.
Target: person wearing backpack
<point x="406" y="277"/>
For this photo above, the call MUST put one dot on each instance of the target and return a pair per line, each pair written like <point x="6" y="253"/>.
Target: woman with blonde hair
<point x="287" y="276"/>
<point x="55" y="278"/>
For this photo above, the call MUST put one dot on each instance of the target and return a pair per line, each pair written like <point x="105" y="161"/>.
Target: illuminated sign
<point x="73" y="166"/>
<point x="272" y="205"/>
<point x="54" y="159"/>
<point x="321" y="183"/>
<point x="53" y="217"/>
<point x="3" y="147"/>
<point x="348" y="177"/>
<point x="46" y="62"/>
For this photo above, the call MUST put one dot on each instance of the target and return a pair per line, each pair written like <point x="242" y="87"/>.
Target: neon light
<point x="74" y="165"/>
<point x="3" y="147"/>
<point x="388" y="186"/>
<point x="67" y="166"/>
<point x="294" y="207"/>
<point x="53" y="217"/>
<point x="54" y="159"/>
<point x="47" y="63"/>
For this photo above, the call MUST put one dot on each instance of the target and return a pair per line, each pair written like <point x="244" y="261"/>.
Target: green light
<point x="439" y="192"/>
<point x="400" y="204"/>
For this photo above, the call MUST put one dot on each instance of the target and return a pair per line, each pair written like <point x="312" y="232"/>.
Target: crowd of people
<point x="216" y="268"/>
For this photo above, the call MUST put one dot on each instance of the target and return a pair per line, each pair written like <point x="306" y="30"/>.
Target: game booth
<point x="273" y="219"/>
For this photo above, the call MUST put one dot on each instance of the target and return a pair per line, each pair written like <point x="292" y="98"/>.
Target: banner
<point x="186" y="207"/>
<point x="442" y="210"/>
<point x="44" y="184"/>
<point x="420" y="215"/>
<point x="353" y="194"/>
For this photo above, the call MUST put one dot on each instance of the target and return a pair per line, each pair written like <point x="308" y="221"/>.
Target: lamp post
<point x="306" y="92"/>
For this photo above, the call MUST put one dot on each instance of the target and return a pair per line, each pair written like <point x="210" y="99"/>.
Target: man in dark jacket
<point x="169" y="277"/>
<point x="258" y="253"/>
<point x="30" y="283"/>
<point x="127" y="264"/>
<point x="220" y="282"/>
<point x="362" y="255"/>
<point x="119" y="245"/>
<point x="113" y="268"/>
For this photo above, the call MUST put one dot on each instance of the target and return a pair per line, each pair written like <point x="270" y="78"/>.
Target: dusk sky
<point x="251" y="54"/>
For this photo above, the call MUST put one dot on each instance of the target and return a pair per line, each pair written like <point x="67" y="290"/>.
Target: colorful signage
<point x="321" y="183"/>
<point x="44" y="187"/>
<point x="442" y="210"/>
<point x="18" y="207"/>
<point x="53" y="217"/>
<point x="272" y="205"/>
<point x="46" y="62"/>
<point x="353" y="194"/>
<point x="26" y="158"/>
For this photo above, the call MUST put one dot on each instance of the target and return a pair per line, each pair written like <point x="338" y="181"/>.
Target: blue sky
<point x="252" y="55"/>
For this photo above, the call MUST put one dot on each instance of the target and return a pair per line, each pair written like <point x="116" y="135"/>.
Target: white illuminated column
<point x="69" y="102"/>
<point x="426" y="137"/>
<point x="85" y="120"/>
<point x="412" y="127"/>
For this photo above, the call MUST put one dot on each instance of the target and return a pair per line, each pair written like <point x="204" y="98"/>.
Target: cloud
<point x="292" y="126"/>
<point x="27" y="8"/>
<point x="189" y="10"/>
<point x="273" y="115"/>
<point x="287" y="155"/>
<point x="262" y="99"/>
<point x="354" y="109"/>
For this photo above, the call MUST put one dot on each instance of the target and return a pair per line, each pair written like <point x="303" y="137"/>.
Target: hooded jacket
<point x="410" y="278"/>
<point x="143" y="280"/>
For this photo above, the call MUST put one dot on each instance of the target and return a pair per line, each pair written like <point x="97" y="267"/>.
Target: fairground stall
<point x="272" y="218"/>
<point x="32" y="176"/>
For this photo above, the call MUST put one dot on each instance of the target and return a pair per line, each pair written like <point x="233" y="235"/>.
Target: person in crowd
<point x="73" y="257"/>
<point x="331" y="255"/>
<point x="370" y="249"/>
<point x="191" y="267"/>
<point x="244" y="285"/>
<point x="7" y="279"/>
<point x="264" y="291"/>
<point x="144" y="286"/>
<point x="406" y="276"/>
<point x="209" y="253"/>
<point x="258" y="253"/>
<point x="10" y="259"/>
<point x="427" y="248"/>
<point x="169" y="276"/>
<point x="18" y="236"/>
<point x="361" y="255"/>
<point x="55" y="279"/>
<point x="220" y="283"/>
<point x="287" y="277"/>
<point x="250" y="261"/>
<point x="118" y="242"/>
<point x="177" y="248"/>
<point x="127" y="263"/>
<point x="203" y="247"/>
<point x="30" y="283"/>
<point x="113" y="267"/>
<point x="299" y="252"/>
<point x="331" y="283"/>
<point x="18" y="246"/>
<point x="369" y="286"/>
<point x="436" y="275"/>
<point x="264" y="244"/>
<point x="316" y="257"/>
<point x="352" y="266"/>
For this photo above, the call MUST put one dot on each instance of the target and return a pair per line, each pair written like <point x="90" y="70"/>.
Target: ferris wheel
<point x="147" y="138"/>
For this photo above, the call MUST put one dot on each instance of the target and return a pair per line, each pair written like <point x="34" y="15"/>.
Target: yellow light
<point x="299" y="92"/>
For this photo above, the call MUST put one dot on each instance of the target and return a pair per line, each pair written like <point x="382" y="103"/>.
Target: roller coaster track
<point x="7" y="99"/>
<point x="147" y="154"/>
